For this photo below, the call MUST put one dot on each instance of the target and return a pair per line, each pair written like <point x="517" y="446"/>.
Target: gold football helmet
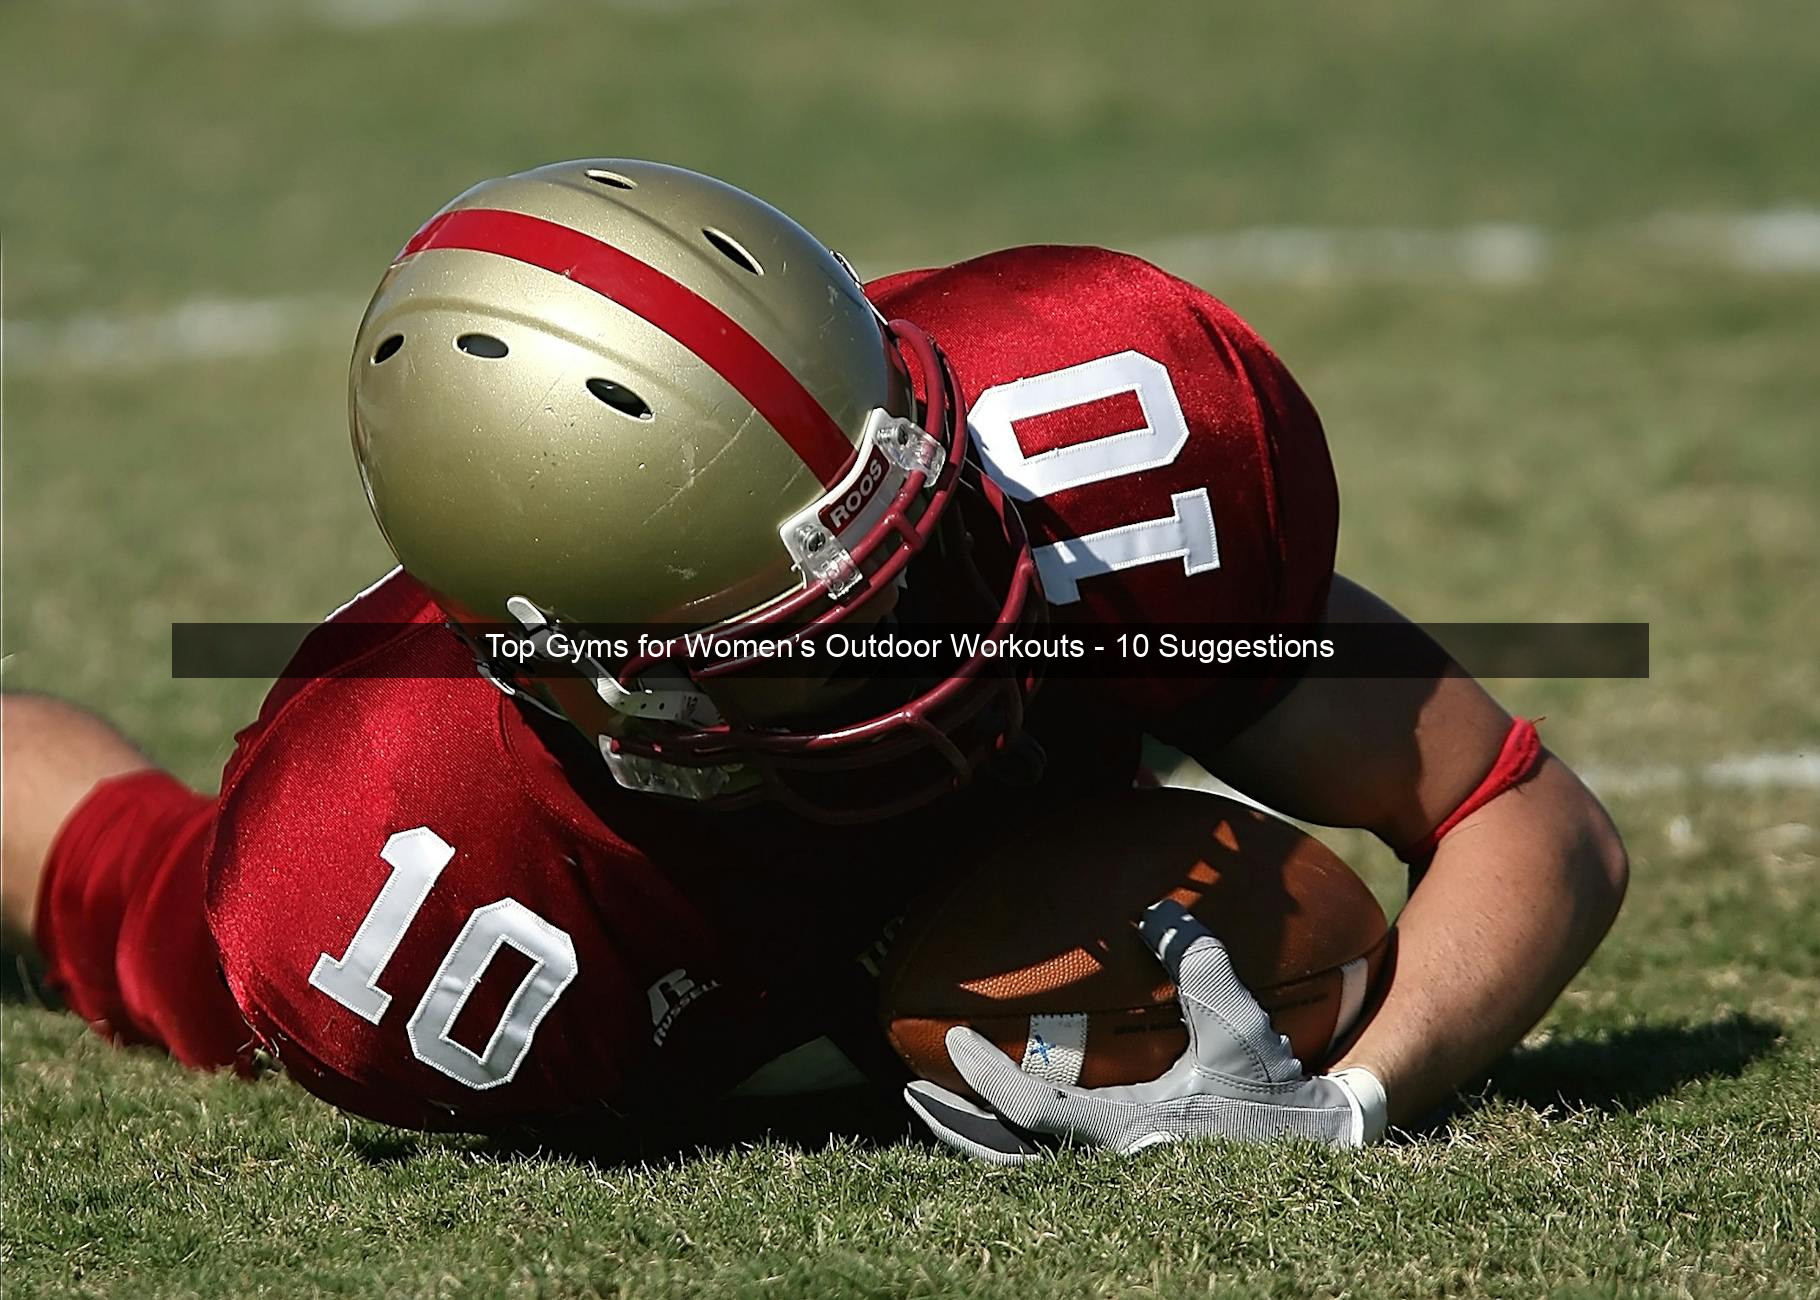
<point x="617" y="396"/>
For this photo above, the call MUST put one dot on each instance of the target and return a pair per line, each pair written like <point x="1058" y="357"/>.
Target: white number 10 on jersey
<point x="1186" y="533"/>
<point x="417" y="858"/>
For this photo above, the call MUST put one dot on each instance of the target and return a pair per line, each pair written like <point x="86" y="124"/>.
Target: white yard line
<point x="1797" y="770"/>
<point x="367" y="15"/>
<point x="1784" y="241"/>
<point x="201" y="329"/>
<point x="376" y="15"/>
<point x="1482" y="254"/>
<point x="1779" y="241"/>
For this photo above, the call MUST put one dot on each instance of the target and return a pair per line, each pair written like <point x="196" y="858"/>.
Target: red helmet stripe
<point x="677" y="310"/>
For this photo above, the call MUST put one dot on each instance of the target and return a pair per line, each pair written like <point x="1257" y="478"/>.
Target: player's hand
<point x="1238" y="1078"/>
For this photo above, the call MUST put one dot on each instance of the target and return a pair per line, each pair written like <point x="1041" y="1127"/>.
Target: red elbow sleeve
<point x="1517" y="759"/>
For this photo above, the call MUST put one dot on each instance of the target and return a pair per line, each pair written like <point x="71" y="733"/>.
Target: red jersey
<point x="439" y="911"/>
<point x="1167" y="468"/>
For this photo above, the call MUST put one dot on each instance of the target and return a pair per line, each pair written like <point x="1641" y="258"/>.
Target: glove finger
<point x="1222" y="1014"/>
<point x="1220" y="1010"/>
<point x="1027" y="1102"/>
<point x="968" y="1128"/>
<point x="1170" y="930"/>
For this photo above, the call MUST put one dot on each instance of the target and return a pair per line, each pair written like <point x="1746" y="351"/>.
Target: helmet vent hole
<point x="482" y="345"/>
<point x="620" y="398"/>
<point x="387" y="348"/>
<point x="732" y="250"/>
<point x="613" y="180"/>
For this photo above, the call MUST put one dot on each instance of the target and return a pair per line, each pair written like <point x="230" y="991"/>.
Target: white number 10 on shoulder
<point x="1186" y="533"/>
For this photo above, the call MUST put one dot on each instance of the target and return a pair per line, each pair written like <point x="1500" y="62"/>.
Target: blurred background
<point x="1551" y="274"/>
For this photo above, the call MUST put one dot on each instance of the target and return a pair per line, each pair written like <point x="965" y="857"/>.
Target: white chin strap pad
<point x="649" y="776"/>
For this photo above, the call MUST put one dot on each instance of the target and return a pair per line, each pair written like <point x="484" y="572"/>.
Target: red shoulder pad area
<point x="1166" y="464"/>
<point x="439" y="917"/>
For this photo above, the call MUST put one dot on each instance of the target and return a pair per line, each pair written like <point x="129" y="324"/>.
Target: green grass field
<point x="1620" y="424"/>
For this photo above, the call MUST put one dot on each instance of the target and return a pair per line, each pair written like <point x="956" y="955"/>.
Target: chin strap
<point x="672" y="697"/>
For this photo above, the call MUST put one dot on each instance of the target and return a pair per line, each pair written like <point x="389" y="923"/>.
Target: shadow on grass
<point x="869" y="1117"/>
<point x="22" y="984"/>
<point x="1609" y="1072"/>
<point x="1628" y="1068"/>
<point x="872" y="1117"/>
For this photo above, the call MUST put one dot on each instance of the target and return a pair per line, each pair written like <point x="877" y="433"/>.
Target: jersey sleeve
<point x="1167" y="466"/>
<point x="120" y="920"/>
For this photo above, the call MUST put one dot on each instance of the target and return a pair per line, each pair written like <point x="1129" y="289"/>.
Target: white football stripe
<point x="1055" y="1048"/>
<point x="1352" y="997"/>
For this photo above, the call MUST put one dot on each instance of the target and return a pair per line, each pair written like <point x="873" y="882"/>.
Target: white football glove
<point x="1238" y="1078"/>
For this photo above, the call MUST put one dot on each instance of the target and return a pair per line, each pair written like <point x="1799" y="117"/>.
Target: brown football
<point x="1036" y="945"/>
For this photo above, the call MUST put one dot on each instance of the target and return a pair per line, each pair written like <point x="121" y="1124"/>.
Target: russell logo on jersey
<point x="670" y="996"/>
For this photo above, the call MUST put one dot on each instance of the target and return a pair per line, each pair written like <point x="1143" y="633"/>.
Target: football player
<point x="613" y="394"/>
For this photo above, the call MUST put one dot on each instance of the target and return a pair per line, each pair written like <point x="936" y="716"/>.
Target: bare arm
<point x="54" y="755"/>
<point x="1518" y="895"/>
